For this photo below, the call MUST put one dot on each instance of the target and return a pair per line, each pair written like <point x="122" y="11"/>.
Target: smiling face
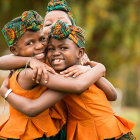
<point x="30" y="44"/>
<point x="63" y="54"/>
<point x="52" y="17"/>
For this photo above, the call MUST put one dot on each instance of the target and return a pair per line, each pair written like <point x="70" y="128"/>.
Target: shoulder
<point x="25" y="73"/>
<point x="24" y="78"/>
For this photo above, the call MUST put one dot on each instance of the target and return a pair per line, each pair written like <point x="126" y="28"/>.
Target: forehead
<point x="56" y="14"/>
<point x="28" y="35"/>
<point x="67" y="42"/>
<point x="32" y="34"/>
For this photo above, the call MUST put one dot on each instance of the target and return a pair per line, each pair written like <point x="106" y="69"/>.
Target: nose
<point x="56" y="53"/>
<point x="39" y="46"/>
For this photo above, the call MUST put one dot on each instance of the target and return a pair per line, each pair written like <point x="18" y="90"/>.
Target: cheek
<point x="70" y="58"/>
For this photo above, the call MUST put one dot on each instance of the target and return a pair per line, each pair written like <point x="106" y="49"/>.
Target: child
<point x="97" y="120"/>
<point x="56" y="10"/>
<point x="89" y="114"/>
<point x="25" y="38"/>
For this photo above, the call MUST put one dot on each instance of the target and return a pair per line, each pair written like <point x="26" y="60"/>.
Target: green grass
<point x="134" y="115"/>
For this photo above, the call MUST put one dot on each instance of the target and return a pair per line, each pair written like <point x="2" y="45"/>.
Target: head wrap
<point x="60" y="5"/>
<point x="61" y="30"/>
<point x="13" y="30"/>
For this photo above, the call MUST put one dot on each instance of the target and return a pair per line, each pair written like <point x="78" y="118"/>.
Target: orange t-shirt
<point x="90" y="117"/>
<point x="21" y="126"/>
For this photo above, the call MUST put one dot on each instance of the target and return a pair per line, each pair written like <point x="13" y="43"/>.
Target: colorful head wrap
<point x="60" y="5"/>
<point x="61" y="30"/>
<point x="13" y="30"/>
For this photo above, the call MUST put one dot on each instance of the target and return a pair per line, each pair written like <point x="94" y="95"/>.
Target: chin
<point x="59" y="69"/>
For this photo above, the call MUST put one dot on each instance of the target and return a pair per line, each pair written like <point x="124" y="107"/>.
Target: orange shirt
<point x="20" y="126"/>
<point x="90" y="117"/>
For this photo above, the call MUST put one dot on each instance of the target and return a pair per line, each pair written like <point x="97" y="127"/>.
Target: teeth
<point x="57" y="60"/>
<point x="40" y="54"/>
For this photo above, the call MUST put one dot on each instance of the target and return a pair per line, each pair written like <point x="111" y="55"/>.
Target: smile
<point x="40" y="56"/>
<point x="57" y="61"/>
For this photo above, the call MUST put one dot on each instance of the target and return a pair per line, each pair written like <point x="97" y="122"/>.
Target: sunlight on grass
<point x="132" y="114"/>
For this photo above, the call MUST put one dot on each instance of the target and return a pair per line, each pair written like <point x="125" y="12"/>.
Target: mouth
<point x="40" y="56"/>
<point x="57" y="61"/>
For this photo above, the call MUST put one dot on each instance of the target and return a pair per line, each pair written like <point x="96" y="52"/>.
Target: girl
<point x="25" y="38"/>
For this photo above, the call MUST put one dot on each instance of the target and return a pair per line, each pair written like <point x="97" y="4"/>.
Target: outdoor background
<point x="112" y="30"/>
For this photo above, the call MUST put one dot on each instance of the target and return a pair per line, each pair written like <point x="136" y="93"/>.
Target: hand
<point x="4" y="87"/>
<point x="75" y="71"/>
<point x="40" y="68"/>
<point x="84" y="59"/>
<point x="91" y="63"/>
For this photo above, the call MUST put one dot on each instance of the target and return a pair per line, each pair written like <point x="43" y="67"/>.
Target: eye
<point x="50" y="49"/>
<point x="48" y="24"/>
<point x="42" y="38"/>
<point x="64" y="48"/>
<point x="30" y="43"/>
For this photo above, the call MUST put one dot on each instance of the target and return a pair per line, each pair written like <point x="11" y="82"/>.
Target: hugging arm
<point x="74" y="85"/>
<point x="34" y="107"/>
<point x="108" y="88"/>
<point x="105" y="85"/>
<point x="9" y="62"/>
<point x="28" y="106"/>
<point x="60" y="83"/>
<point x="102" y="83"/>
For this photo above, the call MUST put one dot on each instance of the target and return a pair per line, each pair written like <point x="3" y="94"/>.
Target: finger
<point x="77" y="74"/>
<point x="34" y="74"/>
<point x="39" y="73"/>
<point x="45" y="75"/>
<point x="51" y="70"/>
<point x="68" y="70"/>
<point x="71" y="73"/>
<point x="91" y="63"/>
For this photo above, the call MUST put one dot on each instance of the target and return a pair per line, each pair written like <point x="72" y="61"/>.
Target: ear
<point x="81" y="52"/>
<point x="14" y="50"/>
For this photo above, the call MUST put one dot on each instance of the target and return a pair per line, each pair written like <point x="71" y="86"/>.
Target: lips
<point x="57" y="61"/>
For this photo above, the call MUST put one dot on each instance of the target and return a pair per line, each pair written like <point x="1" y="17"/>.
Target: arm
<point x="63" y="84"/>
<point x="28" y="106"/>
<point x="105" y="85"/>
<point x="9" y="62"/>
<point x="102" y="83"/>
<point x="34" y="107"/>
<point x="108" y="88"/>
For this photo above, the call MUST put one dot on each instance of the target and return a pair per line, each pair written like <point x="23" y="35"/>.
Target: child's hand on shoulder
<point x="39" y="69"/>
<point x="93" y="64"/>
<point x="75" y="71"/>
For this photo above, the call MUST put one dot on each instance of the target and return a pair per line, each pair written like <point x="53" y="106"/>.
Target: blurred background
<point x="112" y="30"/>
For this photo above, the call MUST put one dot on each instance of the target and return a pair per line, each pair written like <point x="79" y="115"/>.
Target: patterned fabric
<point x="13" y="30"/>
<point x="128" y="136"/>
<point x="61" y="30"/>
<point x="60" y="5"/>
